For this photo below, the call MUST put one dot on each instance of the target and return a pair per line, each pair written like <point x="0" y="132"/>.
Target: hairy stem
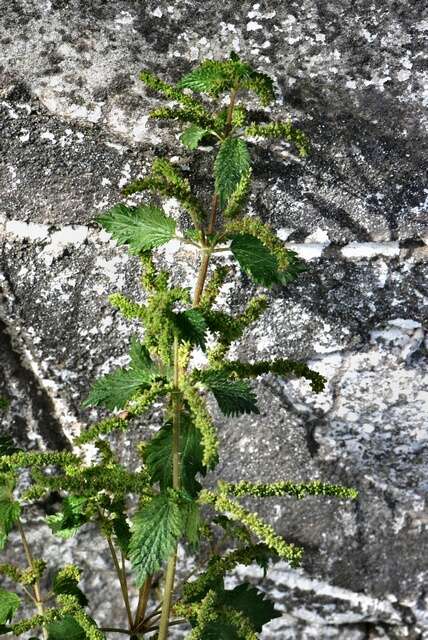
<point x="37" y="593"/>
<point x="200" y="283"/>
<point x="202" y="275"/>
<point x="233" y="95"/>
<point x="122" y="581"/>
<point x="176" y="482"/>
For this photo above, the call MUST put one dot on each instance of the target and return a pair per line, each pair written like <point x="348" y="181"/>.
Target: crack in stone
<point x="44" y="406"/>
<point x="76" y="234"/>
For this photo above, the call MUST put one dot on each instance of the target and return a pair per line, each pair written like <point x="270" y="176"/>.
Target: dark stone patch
<point x="58" y="183"/>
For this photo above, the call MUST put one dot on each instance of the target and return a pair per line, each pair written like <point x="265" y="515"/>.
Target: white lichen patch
<point x="361" y="250"/>
<point x="157" y="13"/>
<point x="124" y="18"/>
<point x="30" y="230"/>
<point x="112" y="269"/>
<point x="48" y="135"/>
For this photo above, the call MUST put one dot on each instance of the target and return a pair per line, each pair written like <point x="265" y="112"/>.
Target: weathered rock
<point x="74" y="130"/>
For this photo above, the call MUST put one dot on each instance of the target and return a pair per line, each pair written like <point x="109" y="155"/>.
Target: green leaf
<point x="239" y="196"/>
<point x="141" y="228"/>
<point x="210" y="77"/>
<point x="115" y="389"/>
<point x="234" y="529"/>
<point x="4" y="403"/>
<point x="255" y="259"/>
<point x="9" y="603"/>
<point x="193" y="522"/>
<point x="294" y="268"/>
<point x="215" y="76"/>
<point x="141" y="360"/>
<point x="67" y="585"/>
<point x="10" y="510"/>
<point x="262" y="85"/>
<point x="155" y="531"/>
<point x="231" y="164"/>
<point x="122" y="532"/>
<point x="66" y="629"/>
<point x="192" y="326"/>
<point x="66" y="523"/>
<point x="158" y="456"/>
<point x="220" y="630"/>
<point x="252" y="603"/>
<point x="233" y="396"/>
<point x="192" y="136"/>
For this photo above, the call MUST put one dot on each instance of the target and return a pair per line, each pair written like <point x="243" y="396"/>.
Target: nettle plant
<point x="144" y="514"/>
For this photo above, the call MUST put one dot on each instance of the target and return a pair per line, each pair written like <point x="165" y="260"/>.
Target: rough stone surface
<point x="74" y="130"/>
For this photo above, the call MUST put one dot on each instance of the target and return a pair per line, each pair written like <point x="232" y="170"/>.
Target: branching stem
<point x="176" y="483"/>
<point x="176" y="396"/>
<point x="37" y="593"/>
<point x="122" y="581"/>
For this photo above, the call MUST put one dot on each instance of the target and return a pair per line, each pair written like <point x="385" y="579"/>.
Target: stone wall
<point x="74" y="130"/>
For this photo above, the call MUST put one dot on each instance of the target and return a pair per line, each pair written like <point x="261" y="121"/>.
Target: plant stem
<point x="37" y="593"/>
<point x="233" y="95"/>
<point x="176" y="396"/>
<point x="203" y="269"/>
<point x="122" y="581"/>
<point x="174" y="622"/>
<point x="142" y="601"/>
<point x="176" y="482"/>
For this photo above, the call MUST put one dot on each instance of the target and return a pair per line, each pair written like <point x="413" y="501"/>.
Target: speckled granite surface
<point x="74" y="129"/>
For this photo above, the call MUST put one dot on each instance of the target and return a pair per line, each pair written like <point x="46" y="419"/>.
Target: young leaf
<point x="192" y="326"/>
<point x="255" y="259"/>
<point x="210" y="77"/>
<point x="66" y="629"/>
<point x="141" y="228"/>
<point x="233" y="396"/>
<point x="9" y="603"/>
<point x="115" y="389"/>
<point x="154" y="533"/>
<point x="252" y="603"/>
<point x="215" y="76"/>
<point x="239" y="196"/>
<point x="231" y="164"/>
<point x="66" y="523"/>
<point x="10" y="510"/>
<point x="158" y="456"/>
<point x="192" y="136"/>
